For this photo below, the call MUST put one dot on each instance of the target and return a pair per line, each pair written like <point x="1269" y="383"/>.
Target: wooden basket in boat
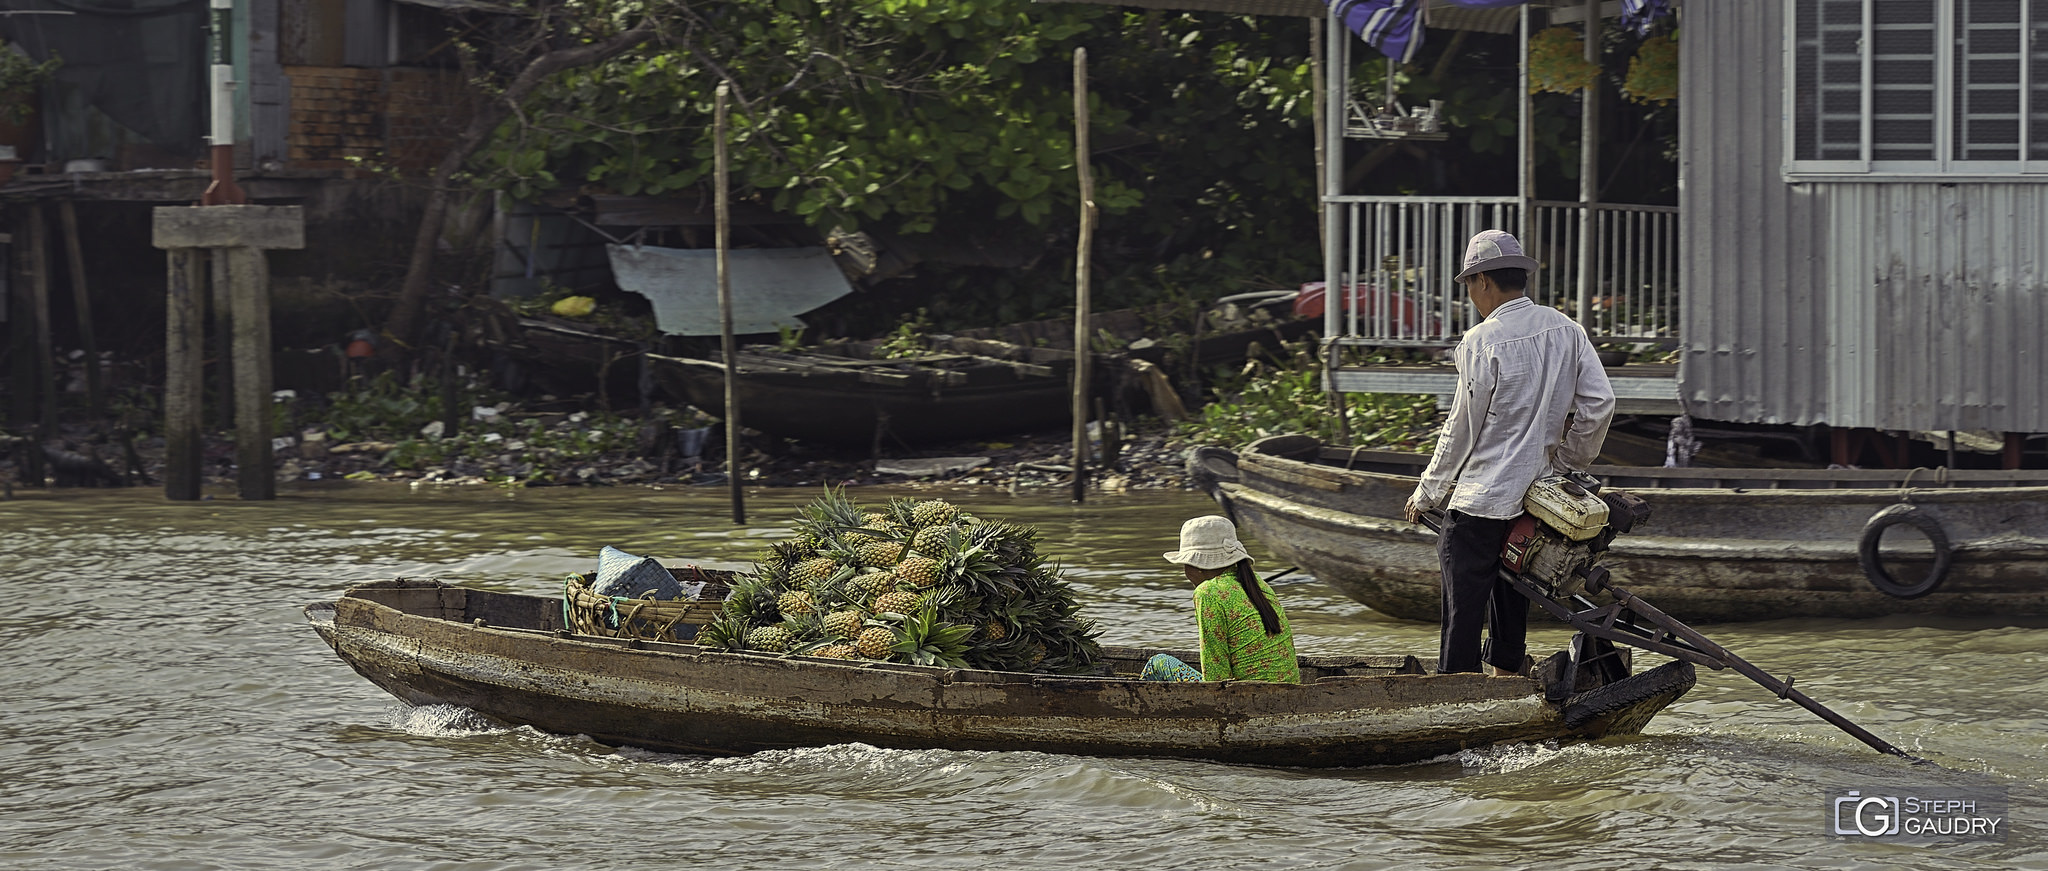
<point x="588" y="613"/>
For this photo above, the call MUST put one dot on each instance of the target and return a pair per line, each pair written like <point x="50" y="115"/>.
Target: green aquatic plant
<point x="1267" y="400"/>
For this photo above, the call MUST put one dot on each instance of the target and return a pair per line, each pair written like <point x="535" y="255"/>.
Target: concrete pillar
<point x="184" y="356"/>
<point x="236" y="236"/>
<point x="249" y="295"/>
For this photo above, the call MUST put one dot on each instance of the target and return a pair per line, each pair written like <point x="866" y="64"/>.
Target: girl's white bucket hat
<point x="1208" y="542"/>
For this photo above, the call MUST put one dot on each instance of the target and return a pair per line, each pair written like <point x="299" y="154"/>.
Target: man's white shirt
<point x="1522" y="373"/>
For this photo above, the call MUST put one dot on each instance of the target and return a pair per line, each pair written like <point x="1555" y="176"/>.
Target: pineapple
<point x="785" y="555"/>
<point x="933" y="512"/>
<point x="896" y="603"/>
<point x="920" y="572"/>
<point x="873" y="584"/>
<point x="950" y="587"/>
<point x="774" y="639"/>
<point x="880" y="554"/>
<point x="794" y="603"/>
<point x="931" y="540"/>
<point x="845" y="624"/>
<point x="875" y="641"/>
<point x="837" y="651"/>
<point x="812" y="571"/>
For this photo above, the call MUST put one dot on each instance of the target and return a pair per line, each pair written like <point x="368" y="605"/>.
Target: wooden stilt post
<point x="1082" y="356"/>
<point x="81" y="303"/>
<point x="21" y="371"/>
<point x="2015" y="449"/>
<point x="727" y="342"/>
<point x="184" y="351"/>
<point x="39" y="290"/>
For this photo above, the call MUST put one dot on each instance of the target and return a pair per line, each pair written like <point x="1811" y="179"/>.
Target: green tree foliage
<point x="915" y="117"/>
<point x="954" y="122"/>
<point x="847" y="112"/>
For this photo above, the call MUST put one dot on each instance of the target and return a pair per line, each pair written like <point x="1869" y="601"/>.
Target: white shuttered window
<point x="1917" y="87"/>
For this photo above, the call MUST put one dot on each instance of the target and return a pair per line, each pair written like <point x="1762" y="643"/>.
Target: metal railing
<point x="1401" y="254"/>
<point x="1634" y="293"/>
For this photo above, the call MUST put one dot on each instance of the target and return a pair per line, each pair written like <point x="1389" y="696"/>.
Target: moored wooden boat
<point x="843" y="395"/>
<point x="509" y="657"/>
<point x="1721" y="545"/>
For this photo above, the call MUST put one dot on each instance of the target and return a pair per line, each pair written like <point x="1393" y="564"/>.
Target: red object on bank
<point x="1368" y="302"/>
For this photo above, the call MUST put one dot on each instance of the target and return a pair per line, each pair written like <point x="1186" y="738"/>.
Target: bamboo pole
<point x="726" y="340"/>
<point x="1319" y="70"/>
<point x="1081" y="353"/>
<point x="1589" y="170"/>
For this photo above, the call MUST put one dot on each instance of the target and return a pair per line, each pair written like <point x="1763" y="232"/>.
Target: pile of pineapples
<point x="920" y="582"/>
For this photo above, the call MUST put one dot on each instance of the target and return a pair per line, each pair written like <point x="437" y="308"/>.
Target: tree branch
<point x="400" y="327"/>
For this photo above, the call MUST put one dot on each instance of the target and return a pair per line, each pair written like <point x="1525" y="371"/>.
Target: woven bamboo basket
<point x="588" y="613"/>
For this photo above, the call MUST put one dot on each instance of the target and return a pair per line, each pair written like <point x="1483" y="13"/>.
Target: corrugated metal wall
<point x="1896" y="305"/>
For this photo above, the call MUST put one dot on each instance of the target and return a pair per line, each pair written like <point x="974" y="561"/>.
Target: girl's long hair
<point x="1250" y="583"/>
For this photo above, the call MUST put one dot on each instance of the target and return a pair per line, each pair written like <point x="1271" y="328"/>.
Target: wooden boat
<point x="510" y="657"/>
<point x="1721" y="544"/>
<point x="843" y="394"/>
<point x="1226" y="333"/>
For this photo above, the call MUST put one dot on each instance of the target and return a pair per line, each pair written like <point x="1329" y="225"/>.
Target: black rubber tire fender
<point x="1673" y="678"/>
<point x="1873" y="562"/>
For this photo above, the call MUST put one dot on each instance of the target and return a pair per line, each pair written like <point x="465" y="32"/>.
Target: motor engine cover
<point x="1565" y="505"/>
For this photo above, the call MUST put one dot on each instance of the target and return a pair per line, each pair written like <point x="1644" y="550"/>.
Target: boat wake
<point x="1509" y="758"/>
<point x="441" y="721"/>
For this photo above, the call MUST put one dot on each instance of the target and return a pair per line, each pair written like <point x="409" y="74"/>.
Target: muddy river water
<point x="163" y="705"/>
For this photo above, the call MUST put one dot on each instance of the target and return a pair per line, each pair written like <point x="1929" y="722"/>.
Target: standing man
<point x="1532" y="400"/>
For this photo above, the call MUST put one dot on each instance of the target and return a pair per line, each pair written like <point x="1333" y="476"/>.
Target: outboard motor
<point x="1567" y="523"/>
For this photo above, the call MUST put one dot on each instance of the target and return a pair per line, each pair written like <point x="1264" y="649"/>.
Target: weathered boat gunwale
<point x="668" y="696"/>
<point x="821" y="397"/>
<point x="1708" y="554"/>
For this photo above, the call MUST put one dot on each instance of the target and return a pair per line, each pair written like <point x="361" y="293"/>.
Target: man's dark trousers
<point x="1473" y="592"/>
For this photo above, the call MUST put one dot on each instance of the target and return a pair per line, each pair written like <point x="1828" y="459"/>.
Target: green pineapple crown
<point x="927" y="640"/>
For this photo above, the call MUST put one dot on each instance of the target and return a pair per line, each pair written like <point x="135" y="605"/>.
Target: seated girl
<point x="1244" y="631"/>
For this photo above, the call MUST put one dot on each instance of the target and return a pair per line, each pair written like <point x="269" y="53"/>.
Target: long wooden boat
<point x="842" y="394"/>
<point x="1721" y="544"/>
<point x="510" y="657"/>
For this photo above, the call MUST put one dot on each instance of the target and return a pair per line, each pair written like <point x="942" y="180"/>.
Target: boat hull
<point x="836" y="408"/>
<point x="445" y="645"/>
<point x="1709" y="554"/>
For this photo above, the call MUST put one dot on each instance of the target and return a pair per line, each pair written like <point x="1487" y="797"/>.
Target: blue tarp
<point x="1395" y="26"/>
<point x="770" y="286"/>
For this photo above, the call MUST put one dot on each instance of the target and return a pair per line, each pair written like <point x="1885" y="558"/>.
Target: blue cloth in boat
<point x="1167" y="668"/>
<point x="622" y="574"/>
